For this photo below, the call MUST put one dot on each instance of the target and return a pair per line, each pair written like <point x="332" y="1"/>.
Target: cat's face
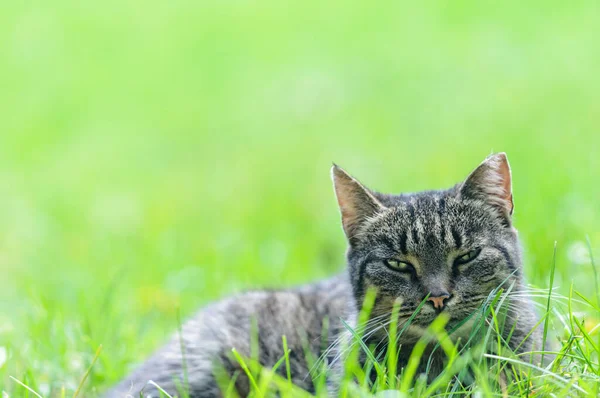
<point x="453" y="246"/>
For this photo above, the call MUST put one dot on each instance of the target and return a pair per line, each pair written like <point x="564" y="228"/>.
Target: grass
<point x="471" y="370"/>
<point x="156" y="157"/>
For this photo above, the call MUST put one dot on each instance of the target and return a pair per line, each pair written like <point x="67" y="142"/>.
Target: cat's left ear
<point x="491" y="182"/>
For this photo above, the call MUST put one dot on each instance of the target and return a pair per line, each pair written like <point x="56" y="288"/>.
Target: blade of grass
<point x="25" y="386"/>
<point x="89" y="369"/>
<point x="587" y="337"/>
<point x="392" y="359"/>
<point x="351" y="367"/>
<point x="186" y="386"/>
<point x="223" y="379"/>
<point x="159" y="388"/>
<point x="589" y="245"/>
<point x="588" y="301"/>
<point x="455" y="363"/>
<point x="574" y="323"/>
<point x="366" y="349"/>
<point x="286" y="353"/>
<point x="245" y="368"/>
<point x="537" y="368"/>
<point x="264" y="382"/>
<point x="417" y="353"/>
<point x="291" y="389"/>
<point x="547" y="320"/>
<point x="231" y="392"/>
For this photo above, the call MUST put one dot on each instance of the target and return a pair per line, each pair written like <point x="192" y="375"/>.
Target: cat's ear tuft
<point x="356" y="202"/>
<point x="491" y="182"/>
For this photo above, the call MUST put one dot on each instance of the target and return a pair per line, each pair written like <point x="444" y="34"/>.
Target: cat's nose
<point x="438" y="300"/>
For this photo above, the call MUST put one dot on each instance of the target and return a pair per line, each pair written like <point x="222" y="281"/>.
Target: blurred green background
<point x="159" y="156"/>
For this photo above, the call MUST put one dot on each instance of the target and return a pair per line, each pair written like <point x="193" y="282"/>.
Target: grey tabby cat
<point x="451" y="247"/>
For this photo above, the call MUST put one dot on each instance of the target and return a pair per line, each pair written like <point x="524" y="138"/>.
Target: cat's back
<point x="253" y="323"/>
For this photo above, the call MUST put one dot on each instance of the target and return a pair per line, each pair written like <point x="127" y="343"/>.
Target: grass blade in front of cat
<point x="415" y="357"/>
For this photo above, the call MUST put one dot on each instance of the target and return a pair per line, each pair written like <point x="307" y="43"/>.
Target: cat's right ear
<point x="356" y="203"/>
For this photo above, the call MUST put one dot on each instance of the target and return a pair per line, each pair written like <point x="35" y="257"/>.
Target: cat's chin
<point x="459" y="329"/>
<point x="455" y="326"/>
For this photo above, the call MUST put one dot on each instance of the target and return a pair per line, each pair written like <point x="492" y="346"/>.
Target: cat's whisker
<point x="343" y="352"/>
<point x="543" y="293"/>
<point x="359" y="329"/>
<point x="557" y="298"/>
<point x="366" y="329"/>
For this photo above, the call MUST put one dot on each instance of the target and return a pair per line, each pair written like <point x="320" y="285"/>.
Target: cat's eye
<point x="467" y="257"/>
<point x="398" y="265"/>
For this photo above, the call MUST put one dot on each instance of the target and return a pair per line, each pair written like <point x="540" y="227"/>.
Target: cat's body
<point x="298" y="313"/>
<point x="451" y="248"/>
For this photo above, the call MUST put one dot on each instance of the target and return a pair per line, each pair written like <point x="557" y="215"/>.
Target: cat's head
<point x="455" y="245"/>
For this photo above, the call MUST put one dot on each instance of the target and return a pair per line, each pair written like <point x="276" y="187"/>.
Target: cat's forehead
<point x="430" y="219"/>
<point x="425" y="211"/>
<point x="423" y="206"/>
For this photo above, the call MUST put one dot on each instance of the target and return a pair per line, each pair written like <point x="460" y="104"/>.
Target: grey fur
<point x="428" y="229"/>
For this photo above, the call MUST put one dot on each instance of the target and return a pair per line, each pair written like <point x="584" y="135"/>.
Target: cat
<point x="439" y="251"/>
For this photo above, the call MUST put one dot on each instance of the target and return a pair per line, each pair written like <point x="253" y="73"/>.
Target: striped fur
<point x="429" y="230"/>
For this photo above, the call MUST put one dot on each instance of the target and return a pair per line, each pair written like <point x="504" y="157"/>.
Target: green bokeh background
<point x="154" y="157"/>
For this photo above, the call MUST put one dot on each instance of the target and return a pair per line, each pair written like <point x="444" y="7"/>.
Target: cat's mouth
<point x="457" y="312"/>
<point x="456" y="324"/>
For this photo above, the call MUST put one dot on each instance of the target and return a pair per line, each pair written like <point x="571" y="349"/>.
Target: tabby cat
<point x="442" y="251"/>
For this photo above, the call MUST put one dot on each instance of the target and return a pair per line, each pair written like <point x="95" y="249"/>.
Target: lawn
<point x="156" y="157"/>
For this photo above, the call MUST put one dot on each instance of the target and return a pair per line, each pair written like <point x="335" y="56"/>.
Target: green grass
<point x="471" y="369"/>
<point x="155" y="157"/>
